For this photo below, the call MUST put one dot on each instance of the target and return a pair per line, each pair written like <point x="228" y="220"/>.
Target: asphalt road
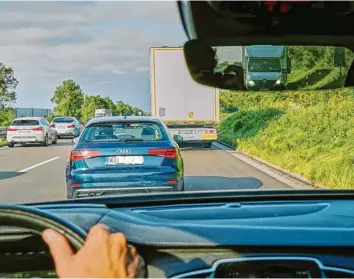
<point x="36" y="173"/>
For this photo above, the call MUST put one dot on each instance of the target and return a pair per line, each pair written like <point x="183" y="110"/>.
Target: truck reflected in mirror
<point x="267" y="67"/>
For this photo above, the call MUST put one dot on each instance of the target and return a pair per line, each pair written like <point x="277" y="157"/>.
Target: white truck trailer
<point x="103" y="113"/>
<point x="188" y="109"/>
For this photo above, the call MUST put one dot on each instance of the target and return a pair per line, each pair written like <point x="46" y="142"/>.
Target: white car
<point x="30" y="130"/>
<point x="66" y="126"/>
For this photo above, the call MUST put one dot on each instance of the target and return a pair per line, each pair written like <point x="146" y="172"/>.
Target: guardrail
<point x="3" y="131"/>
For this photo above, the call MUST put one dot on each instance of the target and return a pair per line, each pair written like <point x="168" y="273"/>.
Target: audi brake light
<point x="71" y="126"/>
<point x="77" y="155"/>
<point x="11" y="129"/>
<point x="170" y="153"/>
<point x="37" y="129"/>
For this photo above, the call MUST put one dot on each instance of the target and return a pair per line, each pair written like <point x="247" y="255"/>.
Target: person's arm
<point x="104" y="255"/>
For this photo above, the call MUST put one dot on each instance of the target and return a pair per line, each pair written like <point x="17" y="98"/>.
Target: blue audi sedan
<point x="123" y="155"/>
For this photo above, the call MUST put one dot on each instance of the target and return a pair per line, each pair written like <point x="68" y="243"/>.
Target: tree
<point x="68" y="99"/>
<point x="91" y="103"/>
<point x="125" y="109"/>
<point x="8" y="84"/>
<point x="51" y="117"/>
<point x="307" y="57"/>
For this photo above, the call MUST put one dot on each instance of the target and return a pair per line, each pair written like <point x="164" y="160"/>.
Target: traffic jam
<point x="131" y="154"/>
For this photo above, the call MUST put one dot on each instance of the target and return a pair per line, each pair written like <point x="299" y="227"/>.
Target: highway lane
<point x="36" y="173"/>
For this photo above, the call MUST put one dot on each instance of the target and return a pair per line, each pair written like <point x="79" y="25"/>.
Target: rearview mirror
<point x="268" y="67"/>
<point x="75" y="140"/>
<point x="202" y="64"/>
<point x="178" y="138"/>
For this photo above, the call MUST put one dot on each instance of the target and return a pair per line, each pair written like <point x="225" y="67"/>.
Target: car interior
<point x="225" y="234"/>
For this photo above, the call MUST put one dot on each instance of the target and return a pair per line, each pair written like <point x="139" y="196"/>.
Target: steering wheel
<point x="36" y="221"/>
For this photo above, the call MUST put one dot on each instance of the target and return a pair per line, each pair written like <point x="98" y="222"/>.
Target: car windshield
<point x="28" y="122"/>
<point x="264" y="65"/>
<point x="126" y="117"/>
<point x="63" y="120"/>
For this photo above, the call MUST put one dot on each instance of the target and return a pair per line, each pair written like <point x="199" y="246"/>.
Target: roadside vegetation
<point x="3" y="142"/>
<point x="307" y="132"/>
<point x="70" y="100"/>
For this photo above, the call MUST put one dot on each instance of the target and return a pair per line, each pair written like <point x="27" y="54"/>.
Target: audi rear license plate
<point x="126" y="160"/>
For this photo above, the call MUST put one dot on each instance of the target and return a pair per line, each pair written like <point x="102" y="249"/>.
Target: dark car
<point x="124" y="155"/>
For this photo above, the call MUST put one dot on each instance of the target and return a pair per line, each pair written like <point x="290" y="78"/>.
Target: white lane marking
<point x="284" y="176"/>
<point x="39" y="164"/>
<point x="3" y="148"/>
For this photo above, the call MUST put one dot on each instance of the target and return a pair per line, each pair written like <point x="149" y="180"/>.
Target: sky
<point x="103" y="46"/>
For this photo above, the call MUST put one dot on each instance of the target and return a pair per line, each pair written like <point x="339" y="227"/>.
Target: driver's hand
<point x="104" y="255"/>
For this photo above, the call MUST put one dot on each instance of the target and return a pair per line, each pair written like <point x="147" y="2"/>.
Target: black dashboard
<point x="248" y="237"/>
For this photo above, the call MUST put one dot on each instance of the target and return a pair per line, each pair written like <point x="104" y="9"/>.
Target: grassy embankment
<point x="307" y="132"/>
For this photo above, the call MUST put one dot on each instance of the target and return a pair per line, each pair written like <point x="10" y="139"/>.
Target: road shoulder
<point x="293" y="180"/>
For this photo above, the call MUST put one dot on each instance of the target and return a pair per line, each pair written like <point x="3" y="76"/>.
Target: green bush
<point x="3" y="142"/>
<point x="306" y="132"/>
<point x="7" y="115"/>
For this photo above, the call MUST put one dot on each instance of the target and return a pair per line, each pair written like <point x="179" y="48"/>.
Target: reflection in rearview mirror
<point x="269" y="67"/>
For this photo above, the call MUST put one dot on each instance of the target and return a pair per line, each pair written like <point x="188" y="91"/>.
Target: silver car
<point x="66" y="126"/>
<point x="30" y="130"/>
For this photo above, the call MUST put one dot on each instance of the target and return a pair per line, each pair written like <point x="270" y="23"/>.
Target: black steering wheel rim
<point x="37" y="221"/>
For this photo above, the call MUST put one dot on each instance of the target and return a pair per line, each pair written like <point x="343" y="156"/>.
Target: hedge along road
<point x="36" y="173"/>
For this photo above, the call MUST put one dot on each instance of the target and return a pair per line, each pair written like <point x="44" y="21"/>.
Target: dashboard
<point x="245" y="239"/>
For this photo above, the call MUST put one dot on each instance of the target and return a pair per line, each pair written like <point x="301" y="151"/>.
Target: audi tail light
<point x="170" y="153"/>
<point x="77" y="155"/>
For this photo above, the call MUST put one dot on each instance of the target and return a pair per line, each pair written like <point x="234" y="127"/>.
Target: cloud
<point x="91" y="42"/>
<point x="112" y="68"/>
<point x="142" y="69"/>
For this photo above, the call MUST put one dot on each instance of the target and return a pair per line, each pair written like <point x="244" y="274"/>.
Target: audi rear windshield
<point x="63" y="120"/>
<point x="124" y="132"/>
<point x="27" y="122"/>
